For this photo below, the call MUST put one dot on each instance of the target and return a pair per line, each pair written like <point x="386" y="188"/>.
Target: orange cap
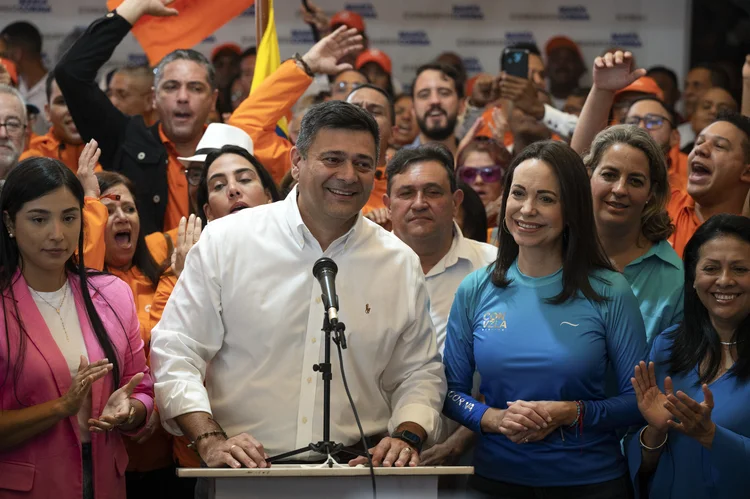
<point x="558" y="42"/>
<point x="644" y="85"/>
<point x="374" y="55"/>
<point x="349" y="19"/>
<point x="10" y="67"/>
<point x="229" y="47"/>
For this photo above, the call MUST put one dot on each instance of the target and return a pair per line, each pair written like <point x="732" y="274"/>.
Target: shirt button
<point x="156" y="199"/>
<point x="110" y="15"/>
<point x="148" y="308"/>
<point x="166" y="161"/>
<point x="314" y="340"/>
<point x="141" y="156"/>
<point x="304" y="420"/>
<point x="309" y="380"/>
<point x="317" y="299"/>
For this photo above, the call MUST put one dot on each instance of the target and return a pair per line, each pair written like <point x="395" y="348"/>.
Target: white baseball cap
<point x="218" y="135"/>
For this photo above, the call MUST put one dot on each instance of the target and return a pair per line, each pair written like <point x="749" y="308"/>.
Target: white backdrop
<point x="414" y="31"/>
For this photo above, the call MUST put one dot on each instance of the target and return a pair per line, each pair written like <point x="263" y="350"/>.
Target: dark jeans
<point x="88" y="477"/>
<point x="156" y="484"/>
<point x="618" y="488"/>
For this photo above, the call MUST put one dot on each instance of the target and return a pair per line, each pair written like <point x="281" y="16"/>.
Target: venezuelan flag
<point x="268" y="60"/>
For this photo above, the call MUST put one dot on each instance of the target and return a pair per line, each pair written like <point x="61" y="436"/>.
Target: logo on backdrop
<point x="210" y="39"/>
<point x="564" y="13"/>
<point x="366" y="10"/>
<point x="249" y="12"/>
<point x="458" y="12"/>
<point x="631" y="39"/>
<point x="35" y="6"/>
<point x="470" y="12"/>
<point x="473" y="65"/>
<point x="516" y="37"/>
<point x="298" y="37"/>
<point x="413" y="38"/>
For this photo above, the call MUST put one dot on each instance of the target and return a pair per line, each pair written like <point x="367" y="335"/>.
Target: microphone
<point x="324" y="271"/>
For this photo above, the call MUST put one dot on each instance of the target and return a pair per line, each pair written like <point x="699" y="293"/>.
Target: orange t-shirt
<point x="681" y="209"/>
<point x="379" y="188"/>
<point x="677" y="168"/>
<point x="49" y="146"/>
<point x="178" y="202"/>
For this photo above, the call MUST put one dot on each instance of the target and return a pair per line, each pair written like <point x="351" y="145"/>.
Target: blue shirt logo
<point x="626" y="40"/>
<point x="413" y="38"/>
<point x="573" y="13"/>
<point x="470" y="12"/>
<point x="34" y="6"/>
<point x="514" y="37"/>
<point x="366" y="10"/>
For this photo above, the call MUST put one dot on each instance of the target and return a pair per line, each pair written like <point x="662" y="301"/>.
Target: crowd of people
<point x="547" y="281"/>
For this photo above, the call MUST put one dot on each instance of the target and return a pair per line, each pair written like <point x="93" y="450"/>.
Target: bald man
<point x="131" y="91"/>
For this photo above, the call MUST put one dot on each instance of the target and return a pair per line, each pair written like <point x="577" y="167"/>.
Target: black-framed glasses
<point x="489" y="174"/>
<point x="13" y="126"/>
<point x="193" y="175"/>
<point x="650" y="121"/>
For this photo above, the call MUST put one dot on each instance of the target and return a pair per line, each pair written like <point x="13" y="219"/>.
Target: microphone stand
<point x="326" y="447"/>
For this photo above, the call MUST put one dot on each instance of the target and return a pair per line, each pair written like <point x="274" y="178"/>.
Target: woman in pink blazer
<point x="73" y="374"/>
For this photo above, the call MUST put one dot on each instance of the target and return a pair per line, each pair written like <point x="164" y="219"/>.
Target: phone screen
<point x="515" y="62"/>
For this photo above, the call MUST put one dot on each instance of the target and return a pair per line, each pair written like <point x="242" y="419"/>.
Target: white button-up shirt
<point x="246" y="317"/>
<point x="464" y="257"/>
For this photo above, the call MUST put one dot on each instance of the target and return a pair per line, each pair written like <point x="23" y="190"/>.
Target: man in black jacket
<point x="185" y="92"/>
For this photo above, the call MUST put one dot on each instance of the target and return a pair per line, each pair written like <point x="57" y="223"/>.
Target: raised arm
<point x="612" y="72"/>
<point x="94" y="115"/>
<point x="275" y="97"/>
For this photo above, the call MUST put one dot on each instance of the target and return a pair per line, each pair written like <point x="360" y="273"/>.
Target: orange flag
<point x="197" y="20"/>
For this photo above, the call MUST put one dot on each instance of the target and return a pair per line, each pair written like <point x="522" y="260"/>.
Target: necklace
<point x="57" y="309"/>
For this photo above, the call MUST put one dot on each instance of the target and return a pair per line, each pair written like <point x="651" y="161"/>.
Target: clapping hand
<point x="81" y="385"/>
<point x="119" y="409"/>
<point x="694" y="418"/>
<point x="86" y="164"/>
<point x="613" y="71"/>
<point x="323" y="57"/>
<point x="651" y="400"/>
<point x="188" y="233"/>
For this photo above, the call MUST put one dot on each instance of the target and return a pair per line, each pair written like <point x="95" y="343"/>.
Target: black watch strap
<point x="410" y="438"/>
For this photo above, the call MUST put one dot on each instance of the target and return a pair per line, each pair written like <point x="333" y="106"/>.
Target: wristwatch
<point x="410" y="438"/>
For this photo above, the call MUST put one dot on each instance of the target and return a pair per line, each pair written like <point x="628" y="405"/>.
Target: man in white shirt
<point x="423" y="200"/>
<point x="246" y="314"/>
<point x="24" y="47"/>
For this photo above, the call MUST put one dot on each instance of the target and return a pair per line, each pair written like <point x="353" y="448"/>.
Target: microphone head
<point x="324" y="264"/>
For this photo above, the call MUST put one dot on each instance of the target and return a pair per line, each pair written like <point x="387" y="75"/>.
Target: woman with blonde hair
<point x="630" y="190"/>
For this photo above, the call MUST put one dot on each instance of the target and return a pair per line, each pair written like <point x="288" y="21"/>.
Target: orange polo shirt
<point x="681" y="209"/>
<point x="178" y="202"/>
<point x="49" y="146"/>
<point x="379" y="188"/>
<point x="677" y="168"/>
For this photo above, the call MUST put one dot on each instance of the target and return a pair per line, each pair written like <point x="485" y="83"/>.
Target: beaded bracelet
<point x="305" y="66"/>
<point x="579" y="406"/>
<point x="577" y="422"/>
<point x="646" y="447"/>
<point x="200" y="437"/>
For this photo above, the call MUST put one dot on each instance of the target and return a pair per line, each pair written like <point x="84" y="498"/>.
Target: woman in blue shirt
<point x="690" y="448"/>
<point x="541" y="326"/>
<point x="630" y="188"/>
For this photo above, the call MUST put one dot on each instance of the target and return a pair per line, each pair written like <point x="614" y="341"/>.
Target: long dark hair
<point x="30" y="180"/>
<point x="475" y="216"/>
<point x="142" y="257"/>
<point x="695" y="339"/>
<point x="582" y="250"/>
<point x="265" y="178"/>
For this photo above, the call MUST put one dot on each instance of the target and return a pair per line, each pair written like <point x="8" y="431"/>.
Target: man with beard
<point x="62" y="141"/>
<point x="185" y="93"/>
<point x="438" y="100"/>
<point x="12" y="128"/>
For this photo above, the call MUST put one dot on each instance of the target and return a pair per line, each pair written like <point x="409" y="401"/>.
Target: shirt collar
<point x="302" y="234"/>
<point x="459" y="249"/>
<point x="663" y="251"/>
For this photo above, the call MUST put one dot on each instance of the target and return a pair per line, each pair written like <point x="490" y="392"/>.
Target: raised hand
<point x="119" y="408"/>
<point x="485" y="90"/>
<point x="614" y="71"/>
<point x="470" y="134"/>
<point x="188" y="233"/>
<point x="317" y="18"/>
<point x="382" y="217"/>
<point x="650" y="398"/>
<point x="499" y="124"/>
<point x="695" y="418"/>
<point x="81" y="385"/>
<point x="132" y="10"/>
<point x="523" y="93"/>
<point x="86" y="164"/>
<point x="323" y="57"/>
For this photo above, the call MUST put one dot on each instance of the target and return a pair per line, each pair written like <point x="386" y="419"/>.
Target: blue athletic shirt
<point x="527" y="349"/>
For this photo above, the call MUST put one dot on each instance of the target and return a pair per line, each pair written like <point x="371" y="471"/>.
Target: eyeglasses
<point x="13" y="126"/>
<point x="490" y="174"/>
<point x="650" y="121"/>
<point x="193" y="175"/>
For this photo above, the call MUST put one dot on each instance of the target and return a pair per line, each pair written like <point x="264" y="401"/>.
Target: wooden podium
<point x="290" y="481"/>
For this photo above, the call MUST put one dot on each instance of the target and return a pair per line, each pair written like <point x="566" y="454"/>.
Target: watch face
<point x="411" y="437"/>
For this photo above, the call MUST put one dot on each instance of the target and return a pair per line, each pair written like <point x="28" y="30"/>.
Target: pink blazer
<point x="49" y="465"/>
